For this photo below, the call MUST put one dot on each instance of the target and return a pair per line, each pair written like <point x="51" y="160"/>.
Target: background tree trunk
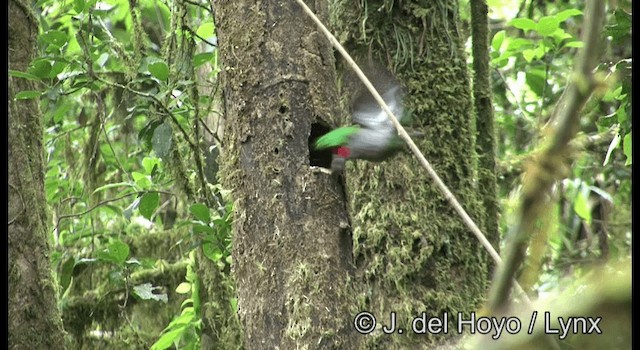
<point x="34" y="318"/>
<point x="413" y="253"/>
<point x="484" y="120"/>
<point x="292" y="255"/>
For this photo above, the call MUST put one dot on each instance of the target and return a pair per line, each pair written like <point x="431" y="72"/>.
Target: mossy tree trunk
<point x="413" y="253"/>
<point x="292" y="256"/>
<point x="34" y="318"/>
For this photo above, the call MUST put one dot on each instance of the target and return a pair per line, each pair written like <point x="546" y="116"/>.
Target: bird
<point x="373" y="136"/>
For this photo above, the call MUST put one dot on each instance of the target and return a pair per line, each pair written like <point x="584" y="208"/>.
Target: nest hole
<point x="320" y="158"/>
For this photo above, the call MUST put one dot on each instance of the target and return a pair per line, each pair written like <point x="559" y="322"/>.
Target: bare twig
<point x="67" y="216"/>
<point x="197" y="4"/>
<point x="158" y="103"/>
<point x="187" y="28"/>
<point x="106" y="136"/>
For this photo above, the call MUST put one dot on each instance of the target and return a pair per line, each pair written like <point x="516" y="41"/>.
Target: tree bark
<point x="413" y="253"/>
<point x="292" y="255"/>
<point x="484" y="121"/>
<point x="34" y="318"/>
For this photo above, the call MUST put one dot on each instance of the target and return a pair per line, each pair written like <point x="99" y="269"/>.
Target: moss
<point x="412" y="251"/>
<point x="299" y="309"/>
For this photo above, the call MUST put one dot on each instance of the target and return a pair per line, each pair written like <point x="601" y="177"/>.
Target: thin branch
<point x="197" y="4"/>
<point x="106" y="201"/>
<point x="106" y="136"/>
<point x="158" y="103"/>
<point x="66" y="132"/>
<point x="508" y="88"/>
<point x="551" y="160"/>
<point x="208" y="130"/>
<point x="188" y="29"/>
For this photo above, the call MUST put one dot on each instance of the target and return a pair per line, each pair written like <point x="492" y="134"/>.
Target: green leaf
<point x="206" y="30"/>
<point x="547" y="25"/>
<point x="566" y="14"/>
<point x="183" y="288"/>
<point x="66" y="273"/>
<point x="529" y="54"/>
<point x="610" y="95"/>
<point x="535" y="80"/>
<point x="621" y="28"/>
<point x="116" y="252"/>
<point x="576" y="43"/>
<point x="518" y="44"/>
<point x="159" y="69"/>
<point x="234" y="304"/>
<point x="186" y="302"/>
<point x="27" y="95"/>
<point x="622" y="115"/>
<point x="211" y="251"/>
<point x="40" y="68"/>
<point x="57" y="67"/>
<point x="522" y="23"/>
<point x="56" y="38"/>
<point x="78" y="5"/>
<point x="149" y="163"/>
<point x="167" y="339"/>
<point x="500" y="62"/>
<point x="142" y="180"/>
<point x="497" y="40"/>
<point x="146" y="133"/>
<point x="148" y="204"/>
<point x="540" y="51"/>
<point x="202" y="58"/>
<point x="145" y="292"/>
<point x="560" y="35"/>
<point x="200" y="228"/>
<point x="626" y="147"/>
<point x="185" y="317"/>
<point x="161" y="140"/>
<point x="581" y="206"/>
<point x="24" y="75"/>
<point x="201" y="212"/>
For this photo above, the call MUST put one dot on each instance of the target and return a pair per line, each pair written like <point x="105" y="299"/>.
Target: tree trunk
<point x="413" y="254"/>
<point x="34" y="318"/>
<point x="484" y="121"/>
<point x="292" y="256"/>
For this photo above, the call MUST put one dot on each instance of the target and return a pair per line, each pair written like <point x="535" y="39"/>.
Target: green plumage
<point x="337" y="137"/>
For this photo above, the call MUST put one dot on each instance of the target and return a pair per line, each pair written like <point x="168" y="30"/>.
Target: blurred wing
<point x="369" y="114"/>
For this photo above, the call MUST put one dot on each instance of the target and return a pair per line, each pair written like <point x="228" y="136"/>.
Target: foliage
<point x="122" y="118"/>
<point x="128" y="97"/>
<point x="532" y="57"/>
<point x="185" y="328"/>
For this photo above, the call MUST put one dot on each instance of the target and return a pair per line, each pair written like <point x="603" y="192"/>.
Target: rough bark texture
<point x="413" y="253"/>
<point x="34" y="319"/>
<point x="485" y="136"/>
<point x="292" y="246"/>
